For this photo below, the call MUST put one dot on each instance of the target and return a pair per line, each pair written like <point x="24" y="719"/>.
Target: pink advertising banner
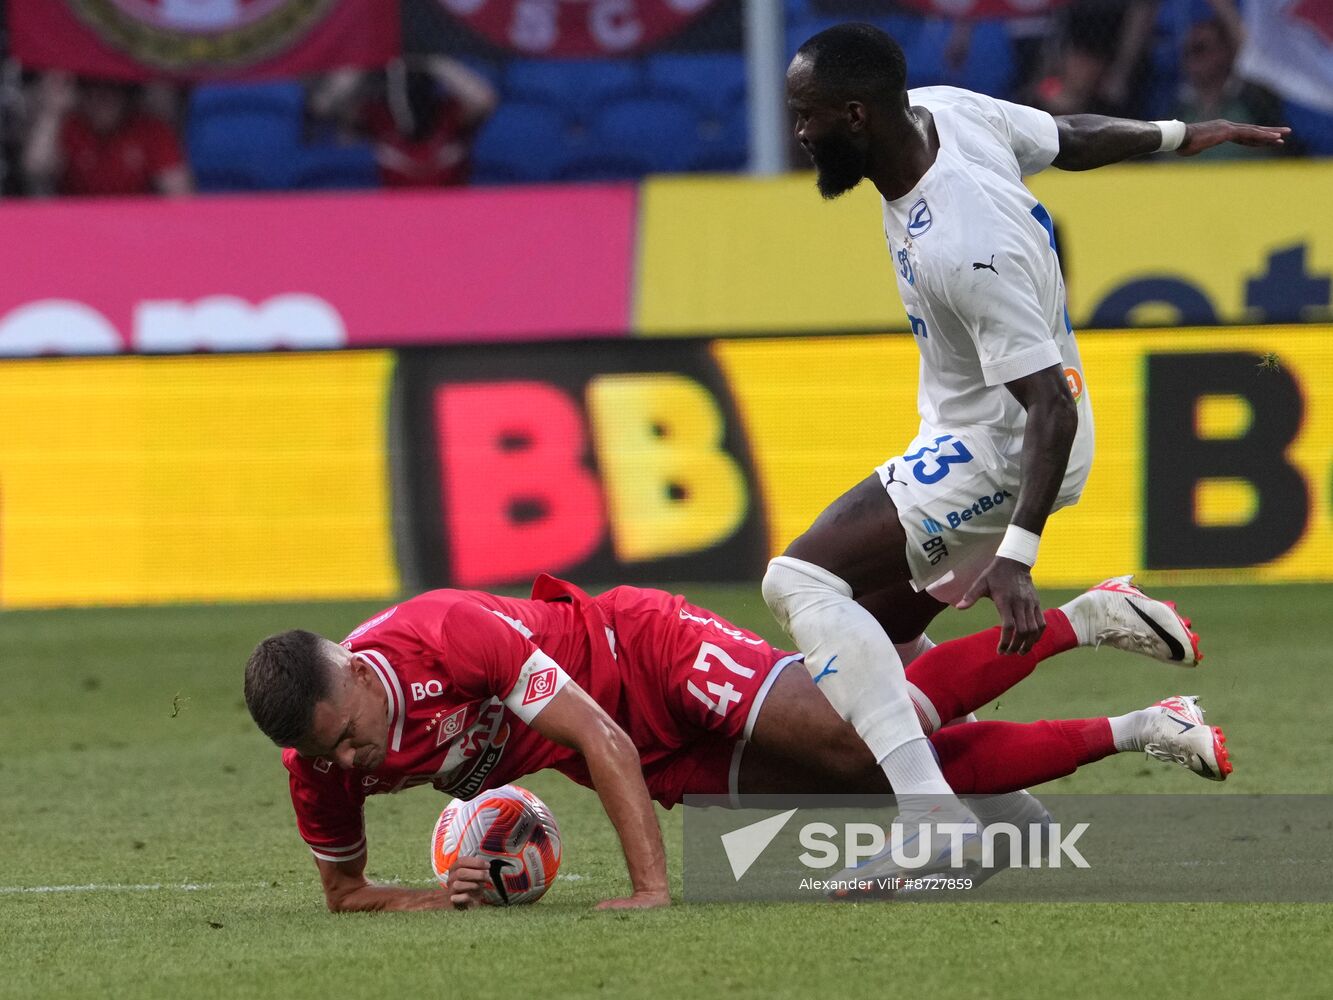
<point x="315" y="272"/>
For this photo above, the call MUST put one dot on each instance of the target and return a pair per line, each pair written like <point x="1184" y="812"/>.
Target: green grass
<point x="130" y="760"/>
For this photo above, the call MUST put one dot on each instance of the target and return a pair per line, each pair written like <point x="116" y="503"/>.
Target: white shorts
<point x="954" y="496"/>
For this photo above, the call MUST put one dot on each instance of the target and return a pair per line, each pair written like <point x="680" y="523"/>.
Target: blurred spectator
<point x="1100" y="67"/>
<point x="1210" y="88"/>
<point x="92" y="138"/>
<point x="1289" y="49"/>
<point x="422" y="114"/>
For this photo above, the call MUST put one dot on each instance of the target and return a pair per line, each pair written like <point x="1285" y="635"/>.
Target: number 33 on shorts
<point x="931" y="463"/>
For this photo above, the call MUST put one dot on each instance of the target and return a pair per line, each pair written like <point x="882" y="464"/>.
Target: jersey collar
<point x="393" y="690"/>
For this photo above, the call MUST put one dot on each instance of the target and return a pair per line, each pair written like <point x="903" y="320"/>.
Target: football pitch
<point x="147" y="847"/>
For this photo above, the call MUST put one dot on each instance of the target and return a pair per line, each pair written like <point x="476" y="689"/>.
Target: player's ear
<point x="359" y="671"/>
<point x="856" y="115"/>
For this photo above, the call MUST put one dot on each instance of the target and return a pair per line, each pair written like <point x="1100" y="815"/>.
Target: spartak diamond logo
<point x="451" y="726"/>
<point x="540" y="685"/>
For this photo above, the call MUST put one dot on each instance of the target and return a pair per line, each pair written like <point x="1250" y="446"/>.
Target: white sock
<point x="1130" y="731"/>
<point x="909" y="651"/>
<point x="856" y="668"/>
<point x="1078" y="611"/>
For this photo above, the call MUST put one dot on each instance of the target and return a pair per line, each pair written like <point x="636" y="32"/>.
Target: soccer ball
<point x="511" y="828"/>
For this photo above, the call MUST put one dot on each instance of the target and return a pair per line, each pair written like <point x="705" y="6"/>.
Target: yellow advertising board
<point x="143" y="480"/>
<point x="1180" y="244"/>
<point x="1214" y="456"/>
<point x="266" y="477"/>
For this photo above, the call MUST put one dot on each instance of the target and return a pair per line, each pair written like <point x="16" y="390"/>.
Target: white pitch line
<point x="11" y="890"/>
<point x="14" y="890"/>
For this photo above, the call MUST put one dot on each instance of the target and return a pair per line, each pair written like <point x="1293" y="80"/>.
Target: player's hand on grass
<point x="1205" y="135"/>
<point x="468" y="878"/>
<point x="643" y="899"/>
<point x="1009" y="584"/>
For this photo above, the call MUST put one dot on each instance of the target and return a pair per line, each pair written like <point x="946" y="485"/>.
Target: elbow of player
<point x="1063" y="417"/>
<point x="611" y="742"/>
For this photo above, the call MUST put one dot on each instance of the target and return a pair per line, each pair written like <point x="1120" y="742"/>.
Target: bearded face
<point x="840" y="163"/>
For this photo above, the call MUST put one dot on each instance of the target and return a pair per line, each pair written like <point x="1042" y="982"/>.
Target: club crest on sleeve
<point x="540" y="685"/>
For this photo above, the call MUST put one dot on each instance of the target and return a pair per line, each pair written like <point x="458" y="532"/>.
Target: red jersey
<point x="461" y="670"/>
<point x="126" y="162"/>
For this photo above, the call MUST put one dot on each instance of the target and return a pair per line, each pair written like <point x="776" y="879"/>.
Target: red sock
<point x="961" y="675"/>
<point x="993" y="757"/>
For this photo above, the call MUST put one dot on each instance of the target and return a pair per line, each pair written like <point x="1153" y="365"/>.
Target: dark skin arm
<point x="1052" y="422"/>
<point x="1089" y="141"/>
<point x="574" y="720"/>
<point x="347" y="890"/>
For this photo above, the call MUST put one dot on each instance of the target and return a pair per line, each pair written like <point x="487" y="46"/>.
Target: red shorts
<point x="693" y="684"/>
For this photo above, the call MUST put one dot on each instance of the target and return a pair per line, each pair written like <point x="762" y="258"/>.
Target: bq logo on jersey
<point x="171" y="34"/>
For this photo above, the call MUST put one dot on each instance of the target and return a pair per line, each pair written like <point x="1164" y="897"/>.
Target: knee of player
<point x="790" y="584"/>
<point x="775" y="588"/>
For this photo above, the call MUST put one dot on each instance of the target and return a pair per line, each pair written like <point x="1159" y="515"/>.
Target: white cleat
<point x="883" y="877"/>
<point x="1177" y="733"/>
<point x="1117" y="614"/>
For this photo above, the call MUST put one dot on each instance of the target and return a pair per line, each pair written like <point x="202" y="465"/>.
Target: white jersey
<point x="974" y="253"/>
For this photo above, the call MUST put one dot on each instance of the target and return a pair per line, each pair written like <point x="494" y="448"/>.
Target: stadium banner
<point x="680" y="460"/>
<point x="150" y="480"/>
<point x="202" y="39"/>
<point x="331" y="474"/>
<point x="617" y="462"/>
<point x="315" y="272"/>
<point x="1142" y="245"/>
<point x="574" y="28"/>
<point x="1214" y="451"/>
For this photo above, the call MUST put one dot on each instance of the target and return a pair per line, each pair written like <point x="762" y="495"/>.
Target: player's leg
<point x="1005" y="756"/>
<point x="953" y="679"/>
<point x="799" y="744"/>
<point x="903" y="613"/>
<point x="855" y="547"/>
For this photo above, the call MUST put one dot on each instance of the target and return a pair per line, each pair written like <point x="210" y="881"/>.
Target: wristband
<point x="1173" y="135"/>
<point x="1020" y="545"/>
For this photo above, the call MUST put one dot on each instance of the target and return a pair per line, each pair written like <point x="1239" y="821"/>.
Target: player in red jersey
<point x="643" y="696"/>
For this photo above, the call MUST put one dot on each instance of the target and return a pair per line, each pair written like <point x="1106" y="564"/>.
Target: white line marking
<point x="10" y="890"/>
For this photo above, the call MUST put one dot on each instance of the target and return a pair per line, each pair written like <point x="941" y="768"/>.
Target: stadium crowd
<point x="480" y="114"/>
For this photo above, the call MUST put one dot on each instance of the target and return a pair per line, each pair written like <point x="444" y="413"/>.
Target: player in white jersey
<point x="1006" y="420"/>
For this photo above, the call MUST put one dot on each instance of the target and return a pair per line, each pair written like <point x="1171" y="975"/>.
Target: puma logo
<point x="977" y="266"/>
<point x="890" y="480"/>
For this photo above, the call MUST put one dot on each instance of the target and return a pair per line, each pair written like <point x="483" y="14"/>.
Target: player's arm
<point x="572" y="719"/>
<point x="347" y="890"/>
<point x="1048" y="437"/>
<point x="329" y="817"/>
<point x="1088" y="141"/>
